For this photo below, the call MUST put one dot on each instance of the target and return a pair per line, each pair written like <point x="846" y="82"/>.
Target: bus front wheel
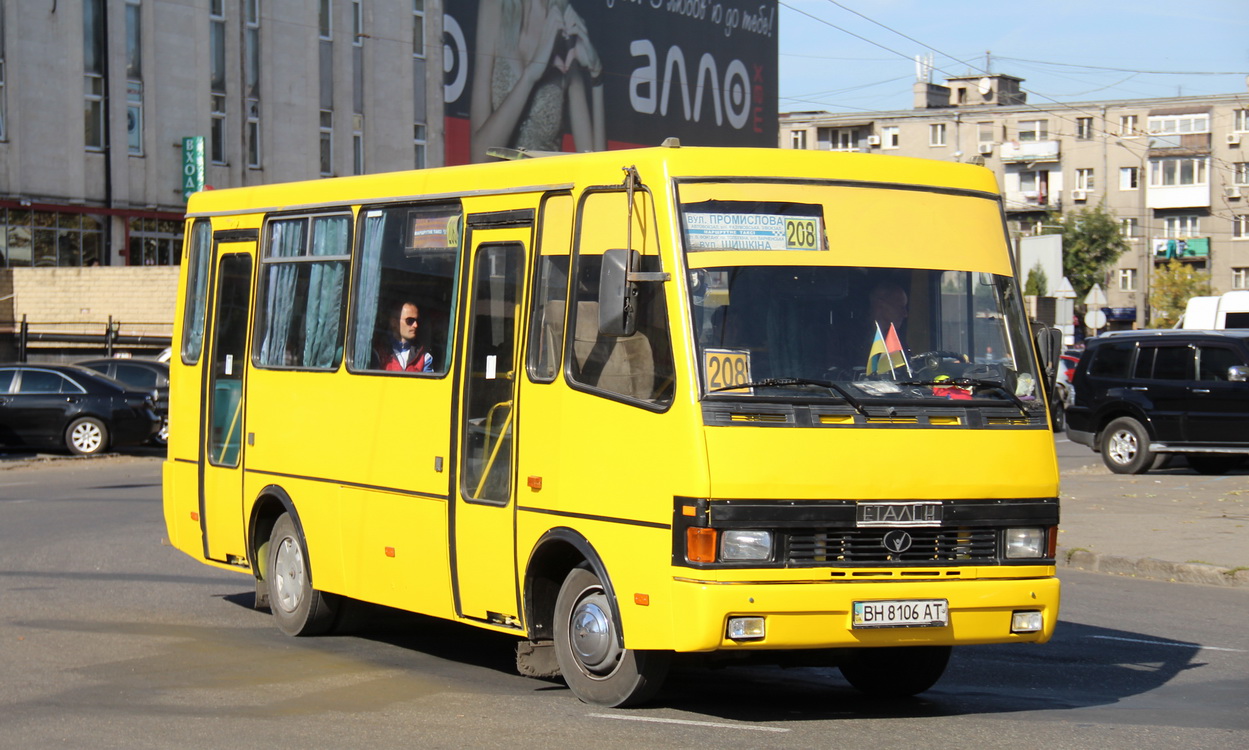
<point x="591" y="660"/>
<point x="298" y="608"/>
<point x="895" y="671"/>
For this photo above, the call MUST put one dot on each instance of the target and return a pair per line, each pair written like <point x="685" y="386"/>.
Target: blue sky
<point x="1066" y="50"/>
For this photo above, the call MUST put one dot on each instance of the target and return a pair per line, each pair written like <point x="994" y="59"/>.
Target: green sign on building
<point x="192" y="165"/>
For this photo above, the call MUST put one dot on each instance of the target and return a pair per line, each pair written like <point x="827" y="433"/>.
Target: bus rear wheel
<point x="896" y="671"/>
<point x="591" y="660"/>
<point x="297" y="608"/>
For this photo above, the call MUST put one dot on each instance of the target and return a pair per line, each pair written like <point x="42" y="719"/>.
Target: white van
<point x="1229" y="310"/>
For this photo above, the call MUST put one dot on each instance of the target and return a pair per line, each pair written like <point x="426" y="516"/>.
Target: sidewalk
<point x="1170" y="524"/>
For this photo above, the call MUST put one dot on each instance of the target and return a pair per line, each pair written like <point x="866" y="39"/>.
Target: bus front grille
<point x="918" y="546"/>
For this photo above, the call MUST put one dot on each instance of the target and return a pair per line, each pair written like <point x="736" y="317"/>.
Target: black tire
<point x="297" y="608"/>
<point x="1125" y="447"/>
<point x="1059" y="416"/>
<point x="86" y="436"/>
<point x="593" y="664"/>
<point x="895" y="671"/>
<point x="1214" y="463"/>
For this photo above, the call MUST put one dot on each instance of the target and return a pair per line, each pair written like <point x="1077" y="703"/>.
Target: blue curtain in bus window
<point x="325" y="292"/>
<point x="367" y="290"/>
<point x="286" y="240"/>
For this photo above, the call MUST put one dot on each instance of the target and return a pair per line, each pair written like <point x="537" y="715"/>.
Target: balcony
<point x="1186" y="249"/>
<point x="1029" y="151"/>
<point x="1179" y="144"/>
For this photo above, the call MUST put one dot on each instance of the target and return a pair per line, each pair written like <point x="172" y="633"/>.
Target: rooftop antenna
<point x="923" y="68"/>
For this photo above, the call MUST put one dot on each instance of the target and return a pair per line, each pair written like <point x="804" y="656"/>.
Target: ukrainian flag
<point x="886" y="354"/>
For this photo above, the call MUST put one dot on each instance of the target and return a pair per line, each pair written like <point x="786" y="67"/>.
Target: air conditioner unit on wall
<point x="1233" y="139"/>
<point x="1079" y="195"/>
<point x="873" y="140"/>
<point x="986" y="148"/>
<point x="1232" y="192"/>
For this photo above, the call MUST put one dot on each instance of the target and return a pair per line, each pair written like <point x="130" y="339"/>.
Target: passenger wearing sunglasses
<point x="398" y="350"/>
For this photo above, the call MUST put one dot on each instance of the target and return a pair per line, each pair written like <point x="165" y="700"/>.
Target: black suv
<point x="1142" y="393"/>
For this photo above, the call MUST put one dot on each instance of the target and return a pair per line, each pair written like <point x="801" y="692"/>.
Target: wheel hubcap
<point x="288" y="571"/>
<point x="86" y="438"/>
<point x="1123" y="447"/>
<point x="592" y="636"/>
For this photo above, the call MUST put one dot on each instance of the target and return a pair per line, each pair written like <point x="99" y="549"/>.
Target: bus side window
<point x="639" y="366"/>
<point x="198" y="254"/>
<point x="300" y="306"/>
<point x="546" y="326"/>
<point x="407" y="254"/>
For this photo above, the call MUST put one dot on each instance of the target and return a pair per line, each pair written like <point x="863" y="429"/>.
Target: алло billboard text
<point x="581" y="75"/>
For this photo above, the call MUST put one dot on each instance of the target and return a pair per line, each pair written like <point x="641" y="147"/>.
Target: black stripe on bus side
<point x="357" y="485"/>
<point x="867" y="184"/>
<point x="592" y="517"/>
<point x="514" y="217"/>
<point x="236" y="235"/>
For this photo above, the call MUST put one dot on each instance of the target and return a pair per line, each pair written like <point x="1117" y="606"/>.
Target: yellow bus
<point x="745" y="403"/>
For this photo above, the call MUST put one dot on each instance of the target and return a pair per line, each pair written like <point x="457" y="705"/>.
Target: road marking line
<point x="688" y="722"/>
<point x="1173" y="645"/>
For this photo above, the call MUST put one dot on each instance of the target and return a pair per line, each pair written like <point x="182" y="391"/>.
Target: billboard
<point x="590" y="75"/>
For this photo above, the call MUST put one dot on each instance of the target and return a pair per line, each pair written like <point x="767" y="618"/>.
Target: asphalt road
<point x="111" y="639"/>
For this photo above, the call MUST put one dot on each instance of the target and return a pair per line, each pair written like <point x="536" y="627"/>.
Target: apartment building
<point x="1175" y="171"/>
<point x="113" y="111"/>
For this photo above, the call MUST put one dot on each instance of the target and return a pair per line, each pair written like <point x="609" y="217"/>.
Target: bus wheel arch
<point x="269" y="505"/>
<point x="553" y="558"/>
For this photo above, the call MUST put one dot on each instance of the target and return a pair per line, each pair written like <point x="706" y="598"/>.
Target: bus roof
<point x="568" y="170"/>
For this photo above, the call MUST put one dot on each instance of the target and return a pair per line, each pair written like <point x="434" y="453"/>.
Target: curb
<point x="1147" y="567"/>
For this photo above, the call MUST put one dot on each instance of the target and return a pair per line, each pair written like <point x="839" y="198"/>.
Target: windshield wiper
<point x="780" y="382"/>
<point x="973" y="383"/>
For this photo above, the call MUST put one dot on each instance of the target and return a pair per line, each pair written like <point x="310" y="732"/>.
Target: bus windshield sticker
<point x="753" y="231"/>
<point x="432" y="231"/>
<point x="726" y="368"/>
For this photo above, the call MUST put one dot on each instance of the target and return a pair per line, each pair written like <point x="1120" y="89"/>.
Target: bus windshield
<point x="778" y="315"/>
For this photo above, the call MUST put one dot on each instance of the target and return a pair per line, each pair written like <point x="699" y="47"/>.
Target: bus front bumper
<point x="815" y="615"/>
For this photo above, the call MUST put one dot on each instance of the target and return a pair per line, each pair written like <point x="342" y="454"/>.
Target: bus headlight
<point x="745" y="544"/>
<point x="1025" y="543"/>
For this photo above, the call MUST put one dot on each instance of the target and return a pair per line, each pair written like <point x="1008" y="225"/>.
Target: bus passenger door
<point x="483" y="553"/>
<point x="221" y="439"/>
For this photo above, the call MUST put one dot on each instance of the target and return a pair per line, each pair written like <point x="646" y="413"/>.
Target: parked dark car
<point x="71" y="407"/>
<point x="1139" y="394"/>
<point x="143" y="374"/>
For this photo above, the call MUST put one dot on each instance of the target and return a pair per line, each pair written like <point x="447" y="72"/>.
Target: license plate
<point x="902" y="613"/>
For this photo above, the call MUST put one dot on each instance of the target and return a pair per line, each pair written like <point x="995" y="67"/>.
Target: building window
<point x="325" y="21"/>
<point x="47" y="239"/>
<point x="1129" y="178"/>
<point x="253" y="133"/>
<point x="890" y="136"/>
<point x="1181" y="227"/>
<point x="1240" y="278"/>
<point x="1034" y="130"/>
<point x="1084" y="128"/>
<point x="1130" y="227"/>
<point x="155" y="242"/>
<point x="419" y="143"/>
<point x="217" y="130"/>
<point x="93" y="70"/>
<point x="251" y="48"/>
<point x="936" y="134"/>
<point x="3" y="118"/>
<point x="1084" y="179"/>
<point x="1240" y="173"/>
<point x="1127" y="279"/>
<point x="327" y="142"/>
<point x="1179" y="171"/>
<point x="984" y="132"/>
<point x="357" y="22"/>
<point x="1128" y="126"/>
<point x="798" y="139"/>
<point x="134" y="77"/>
<point x="1240" y="227"/>
<point x="1179" y="124"/>
<point x="838" y="139"/>
<point x="418" y="29"/>
<point x="1240" y="120"/>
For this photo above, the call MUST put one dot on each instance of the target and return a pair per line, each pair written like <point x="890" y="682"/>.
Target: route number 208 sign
<point x="726" y="368"/>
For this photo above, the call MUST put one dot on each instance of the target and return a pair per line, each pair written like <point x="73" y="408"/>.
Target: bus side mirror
<point x="1049" y="347"/>
<point x="617" y="296"/>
